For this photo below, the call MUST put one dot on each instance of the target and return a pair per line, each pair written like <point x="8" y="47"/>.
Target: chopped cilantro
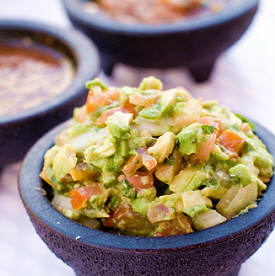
<point x="245" y="120"/>
<point x="208" y="129"/>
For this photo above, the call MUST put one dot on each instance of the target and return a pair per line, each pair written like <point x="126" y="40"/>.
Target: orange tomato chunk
<point x="141" y="181"/>
<point x="80" y="196"/>
<point x="95" y="101"/>
<point x="231" y="140"/>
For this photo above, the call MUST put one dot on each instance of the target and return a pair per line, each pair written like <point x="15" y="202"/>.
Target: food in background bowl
<point x="154" y="11"/>
<point x="30" y="74"/>
<point x="148" y="162"/>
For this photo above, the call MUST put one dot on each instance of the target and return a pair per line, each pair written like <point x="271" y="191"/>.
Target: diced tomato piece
<point x="231" y="140"/>
<point x="141" y="181"/>
<point x="123" y="212"/>
<point x="205" y="149"/>
<point x="80" y="196"/>
<point x="179" y="226"/>
<point x="160" y="213"/>
<point x="104" y="116"/>
<point x="130" y="107"/>
<point x="207" y="120"/>
<point x="143" y="100"/>
<point x="126" y="219"/>
<point x="148" y="161"/>
<point x="94" y="101"/>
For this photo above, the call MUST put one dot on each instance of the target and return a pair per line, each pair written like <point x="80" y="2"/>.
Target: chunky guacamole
<point x="151" y="162"/>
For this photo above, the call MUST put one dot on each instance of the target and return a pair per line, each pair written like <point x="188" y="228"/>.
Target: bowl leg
<point x="107" y="65"/>
<point x="203" y="72"/>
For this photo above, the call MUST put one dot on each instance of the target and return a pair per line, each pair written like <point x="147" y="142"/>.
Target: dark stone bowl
<point x="18" y="132"/>
<point x="193" y="43"/>
<point x="217" y="251"/>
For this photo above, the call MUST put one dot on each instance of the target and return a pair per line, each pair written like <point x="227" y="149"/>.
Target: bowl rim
<point x="103" y="23"/>
<point x="82" y="49"/>
<point x="29" y="186"/>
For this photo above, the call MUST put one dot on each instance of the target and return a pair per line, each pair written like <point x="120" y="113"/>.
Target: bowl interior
<point x="38" y="205"/>
<point x="69" y="43"/>
<point x="23" y="37"/>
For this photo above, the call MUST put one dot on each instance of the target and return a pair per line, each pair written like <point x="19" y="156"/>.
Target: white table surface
<point x="244" y="79"/>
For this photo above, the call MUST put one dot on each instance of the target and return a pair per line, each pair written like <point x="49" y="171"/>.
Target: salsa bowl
<point x="20" y="130"/>
<point x="195" y="43"/>
<point x="217" y="251"/>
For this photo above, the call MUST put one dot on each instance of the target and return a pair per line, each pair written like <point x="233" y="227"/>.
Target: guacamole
<point x="145" y="161"/>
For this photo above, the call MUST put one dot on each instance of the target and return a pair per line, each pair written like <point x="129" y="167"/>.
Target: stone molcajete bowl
<point x="19" y="131"/>
<point x="216" y="251"/>
<point x="194" y="43"/>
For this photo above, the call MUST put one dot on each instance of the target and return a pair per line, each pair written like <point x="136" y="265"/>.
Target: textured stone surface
<point x="219" y="258"/>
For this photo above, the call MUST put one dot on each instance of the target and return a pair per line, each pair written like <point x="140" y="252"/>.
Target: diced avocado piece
<point x="189" y="138"/>
<point x="125" y="93"/>
<point x="245" y="196"/>
<point x="119" y="124"/>
<point x="167" y="200"/>
<point x="261" y="185"/>
<point x="264" y="162"/>
<point x="95" y="82"/>
<point x="141" y="205"/>
<point x="214" y="193"/>
<point x="167" y="101"/>
<point x="178" y="108"/>
<point x="241" y="174"/>
<point x="194" y="210"/>
<point x="187" y="180"/>
<point x="77" y="129"/>
<point x="47" y="172"/>
<point x="64" y="160"/>
<point x="128" y="189"/>
<point x="95" y="213"/>
<point x="150" y="113"/>
<point x="207" y="219"/>
<point x="195" y="198"/>
<point x="151" y="83"/>
<point x="163" y="147"/>
<point x="209" y="104"/>
<point x="218" y="154"/>
<point x="104" y="149"/>
<point x="149" y="193"/>
<point x="108" y="177"/>
<point x="166" y="171"/>
<point x="123" y="149"/>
